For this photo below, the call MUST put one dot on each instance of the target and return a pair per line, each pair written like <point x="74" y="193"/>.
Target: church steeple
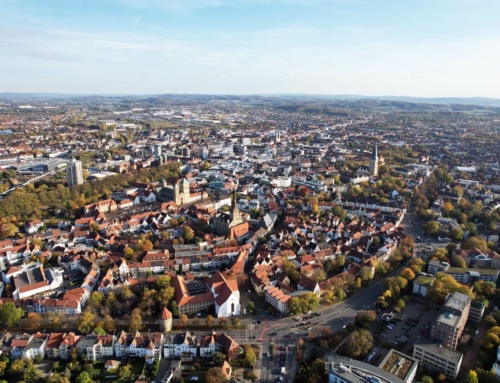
<point x="375" y="153"/>
<point x="235" y="214"/>
<point x="374" y="162"/>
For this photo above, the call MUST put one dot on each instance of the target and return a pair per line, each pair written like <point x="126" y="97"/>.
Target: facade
<point x="278" y="299"/>
<point x="373" y="168"/>
<point x="437" y="358"/>
<point x="347" y="370"/>
<point x="95" y="347"/>
<point x="165" y="320"/>
<point x="450" y="321"/>
<point x="148" y="346"/>
<point x="476" y="311"/>
<point x="422" y="283"/>
<point x="74" y="173"/>
<point x="193" y="297"/>
<point x="435" y="267"/>
<point x="469" y="276"/>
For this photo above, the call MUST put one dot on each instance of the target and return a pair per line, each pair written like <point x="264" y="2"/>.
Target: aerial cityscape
<point x="249" y="191"/>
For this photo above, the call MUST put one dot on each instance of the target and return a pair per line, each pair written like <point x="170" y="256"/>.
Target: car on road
<point x="477" y="332"/>
<point x="273" y="333"/>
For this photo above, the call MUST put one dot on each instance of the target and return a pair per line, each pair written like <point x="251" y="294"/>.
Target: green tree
<point x="427" y="379"/>
<point x="472" y="377"/>
<point x="215" y="375"/>
<point x="188" y="234"/>
<point x="86" y="322"/>
<point x="125" y="373"/>
<point x="365" y="318"/>
<point x="457" y="234"/>
<point x="250" y="357"/>
<point x="219" y="358"/>
<point x="10" y="315"/>
<point x="407" y="274"/>
<point x="8" y="230"/>
<point x="95" y="301"/>
<point x="458" y="261"/>
<point x="359" y="343"/>
<point x="135" y="321"/>
<point x="366" y="273"/>
<point x="443" y="285"/>
<point x="431" y="227"/>
<point x="84" y="377"/>
<point x="252" y="308"/>
<point x="163" y="282"/>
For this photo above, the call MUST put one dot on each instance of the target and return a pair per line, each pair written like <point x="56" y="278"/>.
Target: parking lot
<point x="401" y="331"/>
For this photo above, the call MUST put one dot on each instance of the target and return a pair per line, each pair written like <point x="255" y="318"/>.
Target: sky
<point x="425" y="48"/>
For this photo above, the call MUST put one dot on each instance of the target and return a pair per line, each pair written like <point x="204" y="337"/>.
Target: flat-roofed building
<point x="400" y="365"/>
<point x="450" y="321"/>
<point x="347" y="370"/>
<point x="278" y="299"/>
<point x="437" y="358"/>
<point x="467" y="276"/>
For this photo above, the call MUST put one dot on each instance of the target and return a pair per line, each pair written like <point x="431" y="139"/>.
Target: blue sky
<point x="423" y="48"/>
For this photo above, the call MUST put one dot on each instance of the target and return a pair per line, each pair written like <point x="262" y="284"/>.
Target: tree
<point x="457" y="234"/>
<point x="174" y="309"/>
<point x="441" y="377"/>
<point x="135" y="321"/>
<point x="125" y="373"/>
<point x="365" y="318"/>
<point x="8" y="230"/>
<point x="458" y="261"/>
<point x="127" y="294"/>
<point x="147" y="245"/>
<point x="108" y="324"/>
<point x="34" y="320"/>
<point x="163" y="282"/>
<point x="95" y="301"/>
<point x="84" y="377"/>
<point x="474" y="242"/>
<point x="407" y="274"/>
<point x="252" y="308"/>
<point x="359" y="343"/>
<point x="129" y="252"/>
<point x="10" y="315"/>
<point x="17" y="366"/>
<point x="315" y="209"/>
<point x="235" y="322"/>
<point x="472" y="377"/>
<point x="187" y="234"/>
<point x="209" y="321"/>
<point x="215" y="375"/>
<point x="427" y="379"/>
<point x="443" y="285"/>
<point x="447" y="207"/>
<point x="250" y="357"/>
<point x="86" y="322"/>
<point x="318" y="275"/>
<point x="219" y="358"/>
<point x="431" y="227"/>
<point x="183" y="320"/>
<point x="366" y="273"/>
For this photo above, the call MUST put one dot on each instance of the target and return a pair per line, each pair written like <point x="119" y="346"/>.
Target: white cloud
<point x="290" y="74"/>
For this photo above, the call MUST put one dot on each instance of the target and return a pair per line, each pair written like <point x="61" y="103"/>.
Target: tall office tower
<point x="74" y="173"/>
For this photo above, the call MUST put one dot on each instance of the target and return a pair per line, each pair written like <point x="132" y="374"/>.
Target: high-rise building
<point x="74" y="173"/>
<point x="450" y="322"/>
<point x="374" y="162"/>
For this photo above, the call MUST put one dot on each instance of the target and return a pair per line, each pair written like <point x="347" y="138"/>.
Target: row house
<point x="29" y="346"/>
<point x="148" y="346"/>
<point x="95" y="347"/>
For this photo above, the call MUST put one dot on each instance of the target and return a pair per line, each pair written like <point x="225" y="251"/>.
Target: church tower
<point x="374" y="162"/>
<point x="235" y="215"/>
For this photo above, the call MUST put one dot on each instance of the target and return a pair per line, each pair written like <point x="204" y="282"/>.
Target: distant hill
<point x="480" y="101"/>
